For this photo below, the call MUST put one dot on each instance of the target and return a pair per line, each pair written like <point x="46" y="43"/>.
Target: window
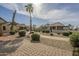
<point x="4" y="28"/>
<point x="53" y="28"/>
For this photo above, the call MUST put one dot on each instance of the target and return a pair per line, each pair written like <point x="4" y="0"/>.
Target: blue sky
<point x="67" y="13"/>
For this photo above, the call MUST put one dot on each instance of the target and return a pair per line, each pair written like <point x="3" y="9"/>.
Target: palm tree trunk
<point x="12" y="24"/>
<point x="30" y="23"/>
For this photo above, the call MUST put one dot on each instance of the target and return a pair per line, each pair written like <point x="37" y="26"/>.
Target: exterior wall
<point x="15" y="27"/>
<point x="7" y="28"/>
<point x="0" y="28"/>
<point x="57" y="27"/>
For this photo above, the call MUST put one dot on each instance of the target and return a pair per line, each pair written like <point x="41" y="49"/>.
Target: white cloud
<point x="10" y="6"/>
<point x="39" y="12"/>
<point x="58" y="14"/>
<point x="13" y="6"/>
<point x="53" y="14"/>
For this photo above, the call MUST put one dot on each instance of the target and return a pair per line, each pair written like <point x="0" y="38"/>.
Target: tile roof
<point x="2" y="20"/>
<point x="57" y="24"/>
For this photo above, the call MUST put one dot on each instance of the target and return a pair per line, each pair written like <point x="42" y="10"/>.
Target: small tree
<point x="74" y="39"/>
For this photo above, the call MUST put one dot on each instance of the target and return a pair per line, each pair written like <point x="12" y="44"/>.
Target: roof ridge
<point x="2" y="19"/>
<point x="56" y="23"/>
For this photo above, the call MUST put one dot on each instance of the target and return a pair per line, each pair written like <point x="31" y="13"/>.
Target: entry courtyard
<point x="22" y="46"/>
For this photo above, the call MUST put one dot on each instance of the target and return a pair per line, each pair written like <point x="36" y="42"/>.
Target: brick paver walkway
<point x="39" y="49"/>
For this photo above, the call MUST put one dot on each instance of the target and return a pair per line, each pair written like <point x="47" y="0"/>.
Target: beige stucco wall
<point x="7" y="28"/>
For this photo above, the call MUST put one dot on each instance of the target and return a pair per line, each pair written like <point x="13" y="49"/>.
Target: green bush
<point x="32" y="32"/>
<point x="70" y="33"/>
<point x="47" y="31"/>
<point x="74" y="39"/>
<point x="22" y="33"/>
<point x="43" y="31"/>
<point x="21" y="28"/>
<point x="51" y="34"/>
<point x="66" y="34"/>
<point x="1" y="33"/>
<point x="35" y="37"/>
<point x="12" y="32"/>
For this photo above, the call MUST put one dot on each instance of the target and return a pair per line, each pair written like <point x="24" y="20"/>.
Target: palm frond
<point x="29" y="8"/>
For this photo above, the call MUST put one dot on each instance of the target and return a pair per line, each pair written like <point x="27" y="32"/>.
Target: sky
<point x="43" y="13"/>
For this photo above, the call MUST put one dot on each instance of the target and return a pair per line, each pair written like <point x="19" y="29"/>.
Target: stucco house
<point x="58" y="27"/>
<point x="5" y="26"/>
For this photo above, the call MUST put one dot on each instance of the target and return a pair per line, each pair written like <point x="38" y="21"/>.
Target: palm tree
<point x="13" y="18"/>
<point x="29" y="8"/>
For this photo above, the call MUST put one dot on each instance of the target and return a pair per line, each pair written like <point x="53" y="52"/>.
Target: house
<point x="6" y="26"/>
<point x="3" y="25"/>
<point x="57" y="26"/>
<point x="21" y="26"/>
<point x="17" y="26"/>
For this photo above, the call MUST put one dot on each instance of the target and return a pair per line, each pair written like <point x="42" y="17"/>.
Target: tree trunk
<point x="12" y="24"/>
<point x="30" y="23"/>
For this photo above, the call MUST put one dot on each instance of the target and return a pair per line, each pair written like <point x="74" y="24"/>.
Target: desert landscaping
<point x="51" y="38"/>
<point x="47" y="46"/>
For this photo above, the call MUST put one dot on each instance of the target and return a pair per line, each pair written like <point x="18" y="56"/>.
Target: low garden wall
<point x="57" y="42"/>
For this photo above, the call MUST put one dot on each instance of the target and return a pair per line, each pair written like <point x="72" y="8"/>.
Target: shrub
<point x="12" y="32"/>
<point x="21" y="28"/>
<point x="51" y="34"/>
<point x="35" y="37"/>
<point x="22" y="33"/>
<point x="74" y="39"/>
<point x="47" y="31"/>
<point x="70" y="33"/>
<point x="1" y="33"/>
<point x="43" y="31"/>
<point x="32" y="32"/>
<point x="66" y="34"/>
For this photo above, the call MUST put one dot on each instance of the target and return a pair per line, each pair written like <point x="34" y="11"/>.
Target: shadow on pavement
<point x="10" y="46"/>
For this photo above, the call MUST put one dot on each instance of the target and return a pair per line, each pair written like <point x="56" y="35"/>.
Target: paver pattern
<point x="27" y="48"/>
<point x="39" y="49"/>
